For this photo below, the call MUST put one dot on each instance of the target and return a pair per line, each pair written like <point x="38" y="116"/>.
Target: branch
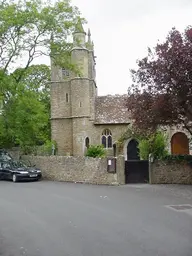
<point x="15" y="42"/>
<point x="31" y="53"/>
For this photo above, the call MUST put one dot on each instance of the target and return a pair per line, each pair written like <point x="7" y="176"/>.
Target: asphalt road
<point x="63" y="219"/>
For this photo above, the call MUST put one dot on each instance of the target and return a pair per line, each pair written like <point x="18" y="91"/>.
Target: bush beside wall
<point x="166" y="172"/>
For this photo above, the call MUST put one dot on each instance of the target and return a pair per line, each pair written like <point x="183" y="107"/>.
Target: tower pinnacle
<point x="89" y="35"/>
<point x="79" y="27"/>
<point x="79" y="35"/>
<point x="89" y="41"/>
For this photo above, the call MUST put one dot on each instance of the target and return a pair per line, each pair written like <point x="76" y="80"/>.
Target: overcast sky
<point x="122" y="30"/>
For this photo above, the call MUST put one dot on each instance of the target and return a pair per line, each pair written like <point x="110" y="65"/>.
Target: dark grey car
<point x="17" y="171"/>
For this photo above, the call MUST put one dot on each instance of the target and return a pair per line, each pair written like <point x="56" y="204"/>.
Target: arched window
<point x="106" y="139"/>
<point x="87" y="142"/>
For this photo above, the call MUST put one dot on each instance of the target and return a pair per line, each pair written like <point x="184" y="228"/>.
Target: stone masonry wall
<point x="15" y="152"/>
<point x="78" y="169"/>
<point x="162" y="172"/>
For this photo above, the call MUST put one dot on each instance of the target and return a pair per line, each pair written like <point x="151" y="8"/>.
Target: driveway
<point x="63" y="219"/>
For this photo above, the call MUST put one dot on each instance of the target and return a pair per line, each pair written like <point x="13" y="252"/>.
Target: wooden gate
<point x="136" y="171"/>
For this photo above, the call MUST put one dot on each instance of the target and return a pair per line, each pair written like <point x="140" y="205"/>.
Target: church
<point x="79" y="117"/>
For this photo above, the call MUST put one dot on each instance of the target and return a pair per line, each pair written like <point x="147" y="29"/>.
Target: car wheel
<point x="14" y="178"/>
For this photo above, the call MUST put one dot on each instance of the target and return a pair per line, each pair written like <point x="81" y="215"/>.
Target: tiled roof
<point x="111" y="110"/>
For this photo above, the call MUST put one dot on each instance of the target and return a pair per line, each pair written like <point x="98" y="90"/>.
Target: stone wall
<point x="163" y="172"/>
<point x="14" y="152"/>
<point x="78" y="169"/>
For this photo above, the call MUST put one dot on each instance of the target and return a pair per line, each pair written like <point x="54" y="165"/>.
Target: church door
<point x="179" y="144"/>
<point x="132" y="150"/>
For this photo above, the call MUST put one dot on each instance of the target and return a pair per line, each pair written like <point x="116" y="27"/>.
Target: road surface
<point x="65" y="219"/>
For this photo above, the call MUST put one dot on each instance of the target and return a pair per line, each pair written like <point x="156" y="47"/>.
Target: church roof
<point x="111" y="110"/>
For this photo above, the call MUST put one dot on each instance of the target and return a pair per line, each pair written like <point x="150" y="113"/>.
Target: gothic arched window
<point x="106" y="139"/>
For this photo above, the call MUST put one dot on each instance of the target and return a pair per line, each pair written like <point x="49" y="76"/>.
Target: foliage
<point x="42" y="150"/>
<point x="155" y="144"/>
<point x="29" y="28"/>
<point x="161" y="93"/>
<point x="150" y="142"/>
<point x="46" y="149"/>
<point x="134" y="133"/>
<point x="96" y="151"/>
<point x="178" y="158"/>
<point x="25" y="119"/>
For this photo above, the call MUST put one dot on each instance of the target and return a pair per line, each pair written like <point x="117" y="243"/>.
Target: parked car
<point x="17" y="171"/>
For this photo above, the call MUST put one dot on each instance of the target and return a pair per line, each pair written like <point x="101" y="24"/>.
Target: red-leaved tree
<point x="161" y="93"/>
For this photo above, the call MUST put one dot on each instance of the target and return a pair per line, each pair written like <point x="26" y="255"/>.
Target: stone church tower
<point x="72" y="96"/>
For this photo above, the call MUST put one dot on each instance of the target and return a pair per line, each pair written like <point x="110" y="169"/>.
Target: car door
<point x="1" y="171"/>
<point x="6" y="170"/>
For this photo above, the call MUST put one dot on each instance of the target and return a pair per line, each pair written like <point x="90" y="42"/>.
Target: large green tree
<point x="29" y="30"/>
<point x="25" y="119"/>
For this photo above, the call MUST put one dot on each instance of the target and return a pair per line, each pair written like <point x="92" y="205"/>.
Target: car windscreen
<point x="6" y="165"/>
<point x="5" y="155"/>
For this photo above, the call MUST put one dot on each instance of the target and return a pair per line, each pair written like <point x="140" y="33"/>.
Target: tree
<point x="25" y="119"/>
<point x="161" y="93"/>
<point x="35" y="78"/>
<point x="27" y="30"/>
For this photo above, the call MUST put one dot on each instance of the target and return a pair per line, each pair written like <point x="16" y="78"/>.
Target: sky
<point x="122" y="30"/>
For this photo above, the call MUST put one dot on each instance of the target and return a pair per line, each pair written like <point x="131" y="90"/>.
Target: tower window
<point x="87" y="142"/>
<point x="67" y="97"/>
<point x="65" y="72"/>
<point x="80" y="105"/>
<point x="106" y="138"/>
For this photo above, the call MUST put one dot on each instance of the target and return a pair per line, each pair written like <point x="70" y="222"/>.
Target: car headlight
<point x="23" y="172"/>
<point x="38" y="171"/>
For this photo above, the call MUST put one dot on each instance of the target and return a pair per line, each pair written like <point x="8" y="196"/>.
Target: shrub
<point x="144" y="149"/>
<point x="96" y="151"/>
<point x="46" y="149"/>
<point x="155" y="144"/>
<point x="178" y="158"/>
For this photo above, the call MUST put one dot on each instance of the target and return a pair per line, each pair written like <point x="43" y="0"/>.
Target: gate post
<point x="121" y="170"/>
<point x="151" y="160"/>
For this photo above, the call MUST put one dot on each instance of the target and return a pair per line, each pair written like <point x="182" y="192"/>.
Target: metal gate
<point x="137" y="171"/>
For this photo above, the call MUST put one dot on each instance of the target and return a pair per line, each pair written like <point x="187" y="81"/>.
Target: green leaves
<point x="96" y="151"/>
<point x="25" y="120"/>
<point x="30" y="120"/>
<point x="154" y="144"/>
<point x="29" y="30"/>
<point x="26" y="29"/>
